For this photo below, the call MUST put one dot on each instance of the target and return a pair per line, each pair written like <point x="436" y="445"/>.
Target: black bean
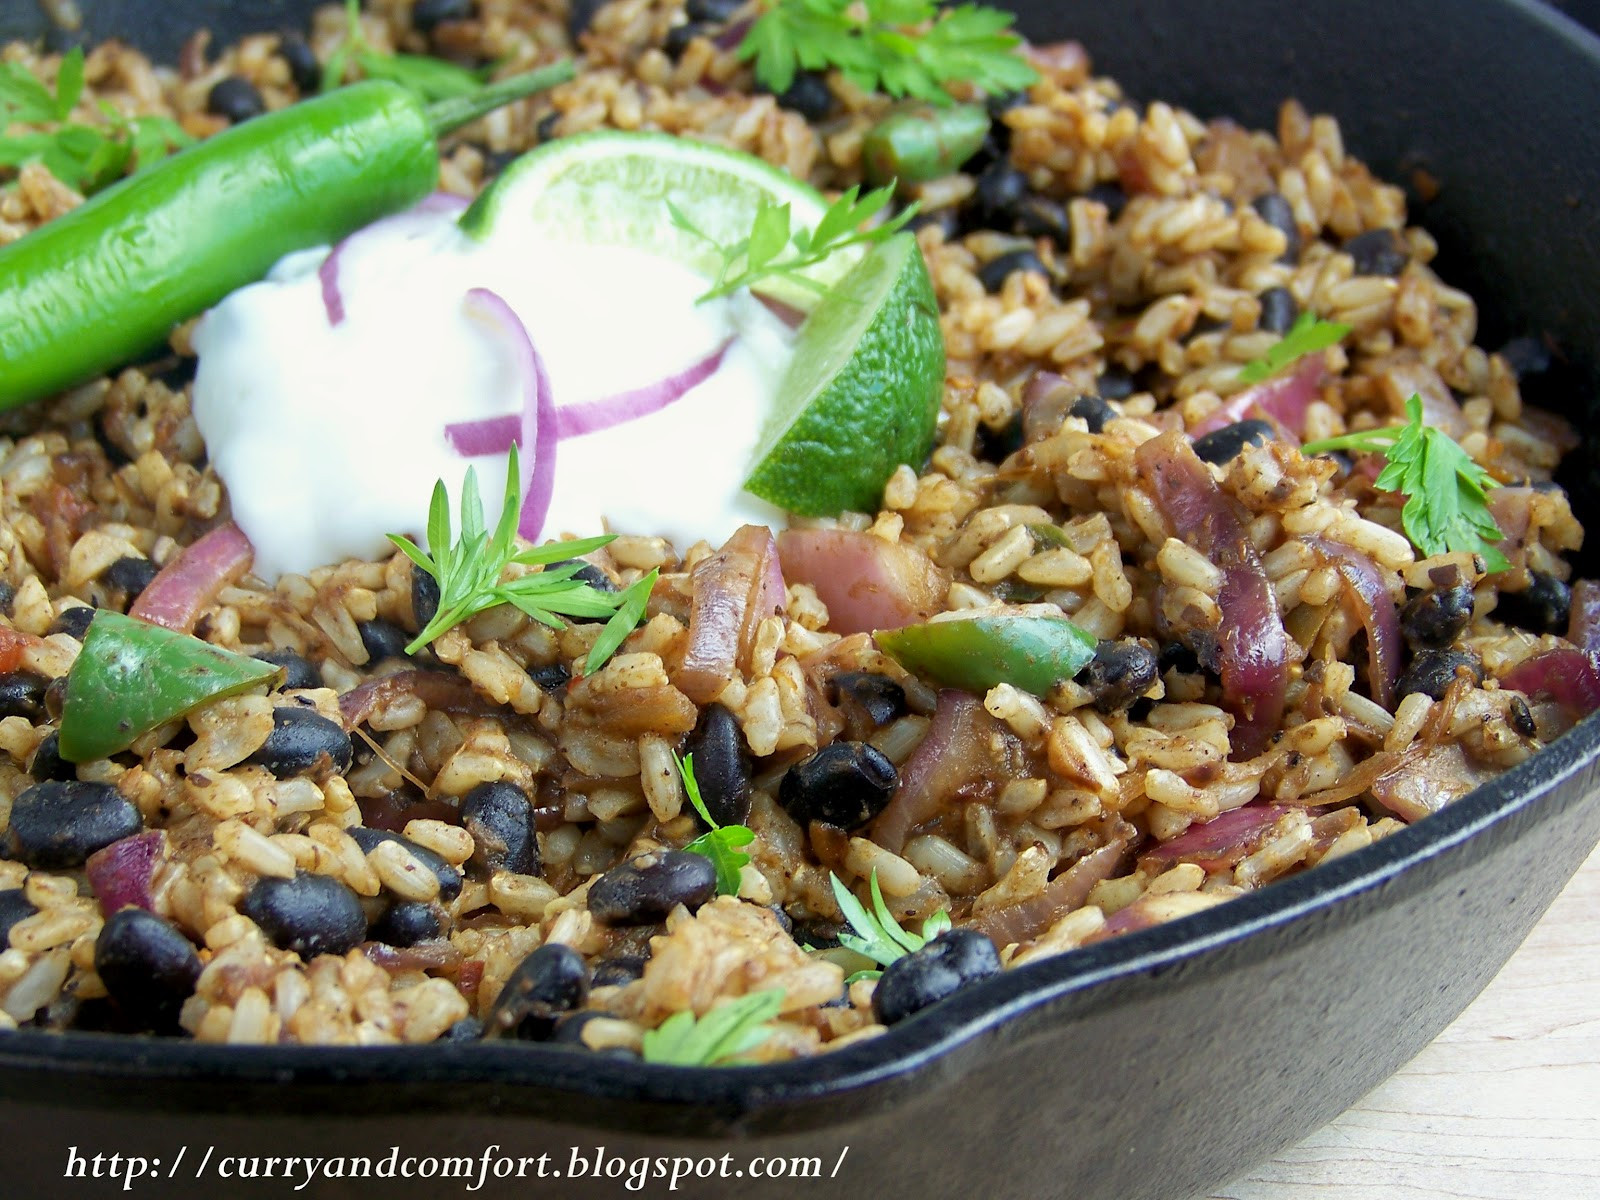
<point x="74" y="621"/>
<point x="1115" y="384"/>
<point x="60" y="823"/>
<point x="1527" y="356"/>
<point x="14" y="906"/>
<point x="1093" y="411"/>
<point x="47" y="762"/>
<point x="424" y="598"/>
<point x="879" y="698"/>
<point x="1111" y="195"/>
<point x="1203" y="326"/>
<point x="303" y="742"/>
<point x="1378" y="252"/>
<point x="1272" y="208"/>
<point x="995" y="147"/>
<point x="1040" y="216"/>
<point x="1520" y="717"/>
<point x="1436" y="618"/>
<point x="235" y="99"/>
<point x="616" y="970"/>
<point x="1278" y="310"/>
<point x="407" y="922"/>
<point x="994" y="273"/>
<point x="1000" y="188"/>
<point x="22" y="694"/>
<point x="643" y="890"/>
<point x="309" y="914"/>
<point x="448" y="876"/>
<point x="946" y="964"/>
<point x="809" y="95"/>
<point x="297" y="670"/>
<point x="1175" y="656"/>
<point x="997" y="445"/>
<point x="304" y="68"/>
<point x="947" y="219"/>
<point x="549" y="982"/>
<point x="499" y="816"/>
<point x="382" y="639"/>
<point x="721" y="765"/>
<point x="1432" y="671"/>
<point x="1542" y="607"/>
<point x="1119" y="673"/>
<point x="580" y="15"/>
<point x="427" y="15"/>
<point x="1223" y="445"/>
<point x="148" y="967"/>
<point x="588" y="573"/>
<point x="468" y="1029"/>
<point x="679" y="37"/>
<point x="130" y="574"/>
<point x="844" y="784"/>
<point x="8" y="596"/>
<point x="714" y="11"/>
<point x="551" y="678"/>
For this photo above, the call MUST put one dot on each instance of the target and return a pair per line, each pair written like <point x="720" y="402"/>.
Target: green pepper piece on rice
<point x="1032" y="652"/>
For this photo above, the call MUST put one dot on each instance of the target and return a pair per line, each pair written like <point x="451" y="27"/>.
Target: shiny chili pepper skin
<point x="917" y="144"/>
<point x="1034" y="653"/>
<point x="109" y="280"/>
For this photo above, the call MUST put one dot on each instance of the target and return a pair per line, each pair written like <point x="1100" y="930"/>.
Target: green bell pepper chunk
<point x="132" y="676"/>
<point x="1034" y="653"/>
<point x="914" y="145"/>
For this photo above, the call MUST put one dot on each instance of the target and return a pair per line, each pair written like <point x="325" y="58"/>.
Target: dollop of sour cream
<point x="330" y="436"/>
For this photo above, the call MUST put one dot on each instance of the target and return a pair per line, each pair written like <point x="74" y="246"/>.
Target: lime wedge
<point x="611" y="187"/>
<point x="862" y="393"/>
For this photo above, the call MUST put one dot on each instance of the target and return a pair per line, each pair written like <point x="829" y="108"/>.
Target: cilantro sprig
<point x="878" y="935"/>
<point x="84" y="157"/>
<point x="469" y="570"/>
<point x="1307" y="335"/>
<point x="727" y="1031"/>
<point x="900" y="47"/>
<point x="721" y="843"/>
<point x="430" y="78"/>
<point x="1446" y="507"/>
<point x="775" y="249"/>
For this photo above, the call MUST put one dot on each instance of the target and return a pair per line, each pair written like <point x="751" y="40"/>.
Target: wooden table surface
<point x="1505" y="1105"/>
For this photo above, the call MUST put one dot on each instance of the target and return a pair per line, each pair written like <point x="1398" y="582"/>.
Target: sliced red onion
<point x="593" y="416"/>
<point x="120" y="874"/>
<point x="442" y="690"/>
<point x="1569" y="677"/>
<point x="734" y="590"/>
<point x="1222" y="841"/>
<point x="787" y="313"/>
<point x="1282" y="402"/>
<point x="1375" y="605"/>
<point x="491" y="435"/>
<point x="1424" y="783"/>
<point x="733" y="34"/>
<point x="1583" y="626"/>
<point x="183" y="588"/>
<point x="1062" y="895"/>
<point x="328" y="271"/>
<point x="1046" y="401"/>
<point x="949" y="757"/>
<point x="867" y="583"/>
<point x="538" y="421"/>
<point x="1254" y="648"/>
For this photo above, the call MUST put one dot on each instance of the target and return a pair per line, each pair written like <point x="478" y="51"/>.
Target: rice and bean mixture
<point x="343" y="860"/>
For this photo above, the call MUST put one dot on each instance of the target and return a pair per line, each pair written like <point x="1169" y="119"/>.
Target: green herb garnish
<point x="1307" y="335"/>
<point x="727" y="1031"/>
<point x="775" y="250"/>
<point x="430" y="78"/>
<point x="469" y="569"/>
<point x="721" y="844"/>
<point x="1446" y="509"/>
<point x="900" y="47"/>
<point x="84" y="157"/>
<point x="878" y="935"/>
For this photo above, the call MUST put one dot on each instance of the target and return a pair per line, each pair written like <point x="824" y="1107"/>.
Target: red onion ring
<point x="182" y="588"/>
<point x="1569" y="677"/>
<point x="328" y="271"/>
<point x="1282" y="402"/>
<point x="1375" y="605"/>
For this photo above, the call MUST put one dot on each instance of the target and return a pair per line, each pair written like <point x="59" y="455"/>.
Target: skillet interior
<point x="1157" y="1064"/>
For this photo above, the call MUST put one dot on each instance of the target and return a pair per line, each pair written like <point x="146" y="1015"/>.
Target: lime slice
<point x="611" y="187"/>
<point x="861" y="395"/>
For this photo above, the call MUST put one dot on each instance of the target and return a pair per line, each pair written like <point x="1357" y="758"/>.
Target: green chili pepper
<point x="975" y="653"/>
<point x="132" y="676"/>
<point x="109" y="280"/>
<point x="917" y="144"/>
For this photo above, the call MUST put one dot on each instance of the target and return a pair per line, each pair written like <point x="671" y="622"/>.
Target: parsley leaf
<point x="430" y="78"/>
<point x="469" y="569"/>
<point x="732" y="1028"/>
<point x="776" y="250"/>
<point x="721" y="844"/>
<point x="901" y="47"/>
<point x="1446" y="508"/>
<point x="1307" y="335"/>
<point x="878" y="935"/>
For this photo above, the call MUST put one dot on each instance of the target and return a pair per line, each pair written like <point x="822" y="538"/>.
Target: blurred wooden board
<point x="1505" y="1105"/>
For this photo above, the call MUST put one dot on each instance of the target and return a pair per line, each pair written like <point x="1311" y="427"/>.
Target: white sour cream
<point x="330" y="436"/>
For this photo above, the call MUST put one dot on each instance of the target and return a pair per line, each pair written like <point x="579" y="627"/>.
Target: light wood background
<point x="1505" y="1105"/>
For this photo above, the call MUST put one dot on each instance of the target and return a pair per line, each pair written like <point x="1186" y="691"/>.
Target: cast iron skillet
<point x="1154" y="1065"/>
